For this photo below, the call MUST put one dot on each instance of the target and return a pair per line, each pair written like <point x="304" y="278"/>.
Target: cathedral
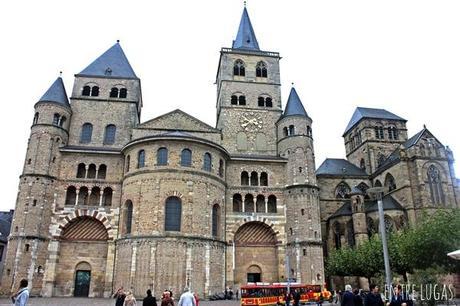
<point x="106" y="200"/>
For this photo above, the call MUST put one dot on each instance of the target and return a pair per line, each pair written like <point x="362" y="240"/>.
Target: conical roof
<point x="112" y="63"/>
<point x="245" y="38"/>
<point x="56" y="93"/>
<point x="294" y="106"/>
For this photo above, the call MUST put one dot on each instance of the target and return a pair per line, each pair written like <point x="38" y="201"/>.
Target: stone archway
<point x="256" y="255"/>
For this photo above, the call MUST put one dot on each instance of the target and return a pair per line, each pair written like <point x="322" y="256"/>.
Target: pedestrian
<point x="21" y="297"/>
<point x="197" y="300"/>
<point x="187" y="298"/>
<point x="399" y="298"/>
<point x="373" y="298"/>
<point x="296" y="297"/>
<point x="120" y="296"/>
<point x="166" y="299"/>
<point x="230" y="292"/>
<point x="149" y="300"/>
<point x="348" y="299"/>
<point x="237" y="293"/>
<point x="357" y="298"/>
<point x="287" y="298"/>
<point x="130" y="300"/>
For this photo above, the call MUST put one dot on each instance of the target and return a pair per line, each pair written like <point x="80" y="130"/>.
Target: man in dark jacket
<point x="373" y="298"/>
<point x="120" y="297"/>
<point x="348" y="298"/>
<point x="296" y="297"/>
<point x="149" y="300"/>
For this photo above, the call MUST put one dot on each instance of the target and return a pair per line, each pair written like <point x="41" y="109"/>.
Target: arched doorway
<point x="256" y="256"/>
<point x="82" y="279"/>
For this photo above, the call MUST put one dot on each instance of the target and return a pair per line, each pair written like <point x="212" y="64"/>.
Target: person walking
<point x="120" y="297"/>
<point x="348" y="298"/>
<point x="287" y="298"/>
<point x="358" y="300"/>
<point x="166" y="299"/>
<point x="373" y="298"/>
<point x="197" y="300"/>
<point x="130" y="300"/>
<point x="149" y="300"/>
<point x="187" y="298"/>
<point x="21" y="297"/>
<point x="296" y="297"/>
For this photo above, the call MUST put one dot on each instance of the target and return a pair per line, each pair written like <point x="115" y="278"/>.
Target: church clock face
<point x="251" y="122"/>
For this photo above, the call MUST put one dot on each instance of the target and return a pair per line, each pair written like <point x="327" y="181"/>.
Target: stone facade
<point x="107" y="201"/>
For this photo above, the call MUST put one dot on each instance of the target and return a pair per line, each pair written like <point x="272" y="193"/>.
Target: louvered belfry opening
<point x="255" y="234"/>
<point x="85" y="228"/>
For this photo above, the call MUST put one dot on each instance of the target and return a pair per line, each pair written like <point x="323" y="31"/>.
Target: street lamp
<point x="378" y="191"/>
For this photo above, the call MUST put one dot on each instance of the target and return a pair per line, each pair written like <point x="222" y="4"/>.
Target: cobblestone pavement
<point x="97" y="302"/>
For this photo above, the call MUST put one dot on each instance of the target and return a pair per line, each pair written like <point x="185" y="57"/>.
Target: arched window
<point x="337" y="233"/>
<point x="435" y="183"/>
<point x="363" y="187"/>
<point x="114" y="92"/>
<point x="215" y="220"/>
<point x="291" y="130"/>
<point x="242" y="100"/>
<point x="221" y="168"/>
<point x="342" y="190"/>
<point x="237" y="203"/>
<point x="393" y="133"/>
<point x="285" y="131"/>
<point x="186" y="158"/>
<point x="162" y="157"/>
<point x="271" y="204"/>
<point x="91" y="171"/>
<point x="379" y="132"/>
<point x="244" y="178"/>
<point x="254" y="179"/>
<point x="377" y="183"/>
<point x="86" y="133"/>
<point x="309" y="131"/>
<point x="86" y="91"/>
<point x="234" y="100"/>
<point x="350" y="234"/>
<point x="102" y="172"/>
<point x="107" y="196"/>
<point x="36" y="118"/>
<point x="264" y="102"/>
<point x="390" y="182"/>
<point x="123" y="93"/>
<point x="389" y="224"/>
<point x="71" y="195"/>
<point x="56" y="119"/>
<point x="371" y="229"/>
<point x="94" y="91"/>
<point x="207" y="162"/>
<point x="128" y="162"/>
<point x="81" y="171"/>
<point x="62" y="121"/>
<point x="362" y="164"/>
<point x="249" y="203"/>
<point x="94" y="196"/>
<point x="141" y="159"/>
<point x="260" y="204"/>
<point x="83" y="196"/>
<point x="173" y="214"/>
<point x="263" y="179"/>
<point x="261" y="101"/>
<point x="129" y="216"/>
<point x="109" y="135"/>
<point x="238" y="68"/>
<point x="261" y="70"/>
<point x="268" y="102"/>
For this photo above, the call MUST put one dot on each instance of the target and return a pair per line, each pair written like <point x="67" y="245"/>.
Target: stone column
<point x="50" y="268"/>
<point x="101" y="193"/>
<point x="132" y="274"/>
<point x="207" y="257"/>
<point x="86" y="171"/>
<point x="266" y="205"/>
<point x="109" y="266"/>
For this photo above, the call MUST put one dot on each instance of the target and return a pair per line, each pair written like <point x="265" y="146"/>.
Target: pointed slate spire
<point x="245" y="38"/>
<point x="294" y="106"/>
<point x="56" y="94"/>
<point x="112" y="63"/>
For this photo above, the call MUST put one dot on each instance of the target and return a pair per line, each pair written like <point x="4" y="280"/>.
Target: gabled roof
<point x="245" y="38"/>
<point x="112" y="63"/>
<point x="414" y="139"/>
<point x="339" y="167"/>
<point x="389" y="203"/>
<point x="344" y="210"/>
<point x="373" y="113"/>
<point x="294" y="105"/>
<point x="56" y="94"/>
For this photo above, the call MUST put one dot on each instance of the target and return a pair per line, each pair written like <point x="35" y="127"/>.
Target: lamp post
<point x="378" y="191"/>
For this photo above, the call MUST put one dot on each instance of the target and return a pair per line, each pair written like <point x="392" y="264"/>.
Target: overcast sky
<point x="403" y="56"/>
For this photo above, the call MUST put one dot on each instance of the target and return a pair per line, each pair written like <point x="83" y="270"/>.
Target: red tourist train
<point x="255" y="294"/>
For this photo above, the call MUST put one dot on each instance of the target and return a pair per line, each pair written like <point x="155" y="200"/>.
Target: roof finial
<point x="60" y="73"/>
<point x="244" y="3"/>
<point x="424" y="126"/>
<point x="118" y="40"/>
<point x="292" y="84"/>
